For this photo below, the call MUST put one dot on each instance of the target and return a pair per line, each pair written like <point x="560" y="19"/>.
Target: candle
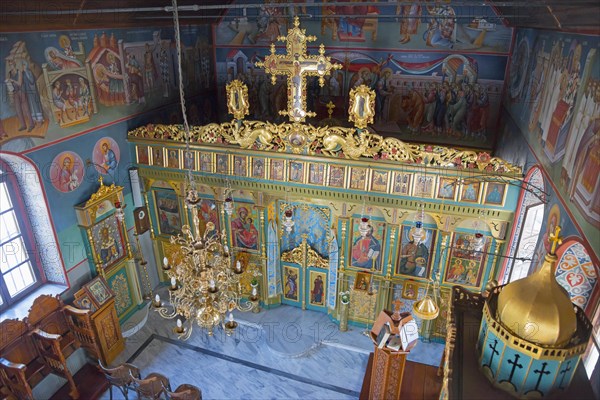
<point x="179" y="324"/>
<point x="165" y="262"/>
<point x="238" y="266"/>
<point x="226" y="249"/>
<point x="231" y="317"/>
<point x="173" y="282"/>
<point x="157" y="301"/>
<point x="211" y="283"/>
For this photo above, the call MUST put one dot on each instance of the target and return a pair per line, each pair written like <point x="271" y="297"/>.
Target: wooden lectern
<point x="389" y="363"/>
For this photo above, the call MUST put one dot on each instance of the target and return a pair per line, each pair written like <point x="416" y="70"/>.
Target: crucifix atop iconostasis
<point x="297" y="65"/>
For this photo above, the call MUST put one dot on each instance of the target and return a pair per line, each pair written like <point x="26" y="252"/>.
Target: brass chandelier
<point x="205" y="286"/>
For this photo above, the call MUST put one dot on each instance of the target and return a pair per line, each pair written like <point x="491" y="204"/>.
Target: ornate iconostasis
<point x="325" y="251"/>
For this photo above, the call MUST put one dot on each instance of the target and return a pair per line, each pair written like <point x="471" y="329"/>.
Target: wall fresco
<point x="413" y="27"/>
<point x="430" y="86"/>
<point x="59" y="83"/>
<point x="554" y="99"/>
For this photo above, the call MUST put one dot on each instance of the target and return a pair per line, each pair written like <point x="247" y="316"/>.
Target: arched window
<point x="29" y="253"/>
<point x="19" y="271"/>
<point x="526" y="229"/>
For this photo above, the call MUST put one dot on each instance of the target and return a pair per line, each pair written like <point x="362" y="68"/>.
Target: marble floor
<point x="282" y="353"/>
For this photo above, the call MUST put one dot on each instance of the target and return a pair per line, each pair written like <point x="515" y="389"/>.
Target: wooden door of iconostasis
<point x="305" y="256"/>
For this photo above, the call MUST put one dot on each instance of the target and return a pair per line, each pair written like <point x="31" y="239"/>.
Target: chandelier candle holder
<point x="418" y="232"/>
<point x="119" y="213"/>
<point x="288" y="219"/>
<point x="363" y="226"/>
<point x="478" y="242"/>
<point x="179" y="328"/>
<point x="209" y="284"/>
<point x="228" y="205"/>
<point x="230" y="325"/>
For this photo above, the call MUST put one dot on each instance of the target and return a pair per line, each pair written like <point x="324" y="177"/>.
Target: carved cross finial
<point x="555" y="239"/>
<point x="397" y="304"/>
<point x="330" y="106"/>
<point x="296" y="65"/>
<point x="101" y="180"/>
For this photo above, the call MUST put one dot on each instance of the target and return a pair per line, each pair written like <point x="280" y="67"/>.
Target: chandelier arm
<point x="166" y="313"/>
<point x="187" y="332"/>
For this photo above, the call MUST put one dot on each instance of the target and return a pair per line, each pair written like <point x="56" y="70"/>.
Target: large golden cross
<point x="555" y="239"/>
<point x="297" y="65"/>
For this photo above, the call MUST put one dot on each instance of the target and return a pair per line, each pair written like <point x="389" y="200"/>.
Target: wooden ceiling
<point x="32" y="15"/>
<point x="580" y="16"/>
<point x="29" y="15"/>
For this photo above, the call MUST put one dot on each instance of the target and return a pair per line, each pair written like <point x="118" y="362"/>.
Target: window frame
<point x="8" y="177"/>
<point x="511" y="266"/>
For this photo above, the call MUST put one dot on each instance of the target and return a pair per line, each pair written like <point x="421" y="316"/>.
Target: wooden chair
<point x="81" y="327"/>
<point x="20" y="365"/>
<point x="184" y="392"/>
<point x="13" y="377"/>
<point x="49" y="348"/>
<point x="41" y="343"/>
<point x="152" y="387"/>
<point x="120" y="377"/>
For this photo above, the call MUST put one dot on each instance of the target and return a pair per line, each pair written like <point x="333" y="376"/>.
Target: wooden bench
<point x="41" y="343"/>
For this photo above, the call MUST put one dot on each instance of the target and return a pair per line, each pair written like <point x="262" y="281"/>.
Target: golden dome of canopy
<point x="537" y="308"/>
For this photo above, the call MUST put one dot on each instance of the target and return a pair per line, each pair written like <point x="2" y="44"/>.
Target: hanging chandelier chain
<point x="186" y="125"/>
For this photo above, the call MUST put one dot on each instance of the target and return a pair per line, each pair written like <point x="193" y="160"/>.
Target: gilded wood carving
<point x="338" y="142"/>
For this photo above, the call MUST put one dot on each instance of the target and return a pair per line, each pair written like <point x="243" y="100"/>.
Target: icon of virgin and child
<point x="245" y="234"/>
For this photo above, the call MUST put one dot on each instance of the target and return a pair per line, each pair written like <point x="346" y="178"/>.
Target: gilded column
<point x="303" y="269"/>
<point x="151" y="225"/>
<point x="499" y="244"/>
<point x="344" y="310"/>
<point x="385" y="293"/>
<point x="261" y="213"/>
<point x="94" y="255"/>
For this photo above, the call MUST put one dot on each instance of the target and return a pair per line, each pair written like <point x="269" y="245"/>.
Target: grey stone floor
<point x="282" y="353"/>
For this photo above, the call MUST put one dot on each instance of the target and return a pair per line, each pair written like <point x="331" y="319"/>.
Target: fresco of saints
<point x="67" y="171"/>
<point x="110" y="160"/>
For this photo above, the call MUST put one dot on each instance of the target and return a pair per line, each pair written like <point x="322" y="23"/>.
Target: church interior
<point x="309" y="199"/>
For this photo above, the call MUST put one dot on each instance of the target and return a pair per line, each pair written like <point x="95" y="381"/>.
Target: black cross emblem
<point x="564" y="372"/>
<point x="541" y="373"/>
<point x="494" y="352"/>
<point x="515" y="365"/>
